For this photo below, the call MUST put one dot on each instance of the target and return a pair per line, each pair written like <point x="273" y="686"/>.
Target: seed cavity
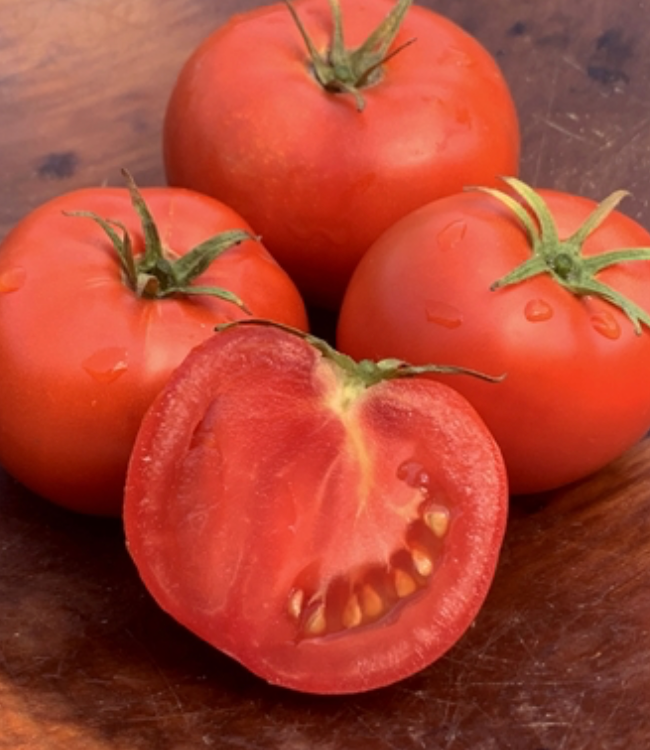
<point x="414" y="475"/>
<point x="320" y="607"/>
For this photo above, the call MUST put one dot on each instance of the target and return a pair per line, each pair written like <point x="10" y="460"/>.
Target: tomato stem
<point x="365" y="371"/>
<point x="563" y="259"/>
<point x="154" y="274"/>
<point x="343" y="70"/>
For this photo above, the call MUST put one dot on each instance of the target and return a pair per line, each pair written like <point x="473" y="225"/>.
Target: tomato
<point x="568" y="329"/>
<point x="321" y="169"/>
<point x="332" y="528"/>
<point x="83" y="354"/>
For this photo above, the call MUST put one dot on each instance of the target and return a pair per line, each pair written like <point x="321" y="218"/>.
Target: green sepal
<point x="366" y="371"/>
<point x="563" y="259"/>
<point x="154" y="274"/>
<point x="344" y="70"/>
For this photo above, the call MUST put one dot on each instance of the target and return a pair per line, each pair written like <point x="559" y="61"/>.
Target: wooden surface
<point x="559" y="658"/>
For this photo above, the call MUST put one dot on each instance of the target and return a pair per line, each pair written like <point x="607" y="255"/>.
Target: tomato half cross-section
<point x="97" y="309"/>
<point x="323" y="123"/>
<point x="333" y="526"/>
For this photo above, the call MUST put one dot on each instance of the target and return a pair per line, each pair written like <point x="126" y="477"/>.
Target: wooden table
<point x="559" y="658"/>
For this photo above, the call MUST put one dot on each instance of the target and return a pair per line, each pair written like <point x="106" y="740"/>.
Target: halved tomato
<point x="333" y="526"/>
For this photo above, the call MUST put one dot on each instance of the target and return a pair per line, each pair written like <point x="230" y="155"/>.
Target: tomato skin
<point x="575" y="394"/>
<point x="83" y="356"/>
<point x="322" y="182"/>
<point x="256" y="474"/>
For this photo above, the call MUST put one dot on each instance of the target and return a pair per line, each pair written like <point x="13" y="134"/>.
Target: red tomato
<point x="331" y="531"/>
<point x="83" y="355"/>
<point x="575" y="393"/>
<point x="249" y="123"/>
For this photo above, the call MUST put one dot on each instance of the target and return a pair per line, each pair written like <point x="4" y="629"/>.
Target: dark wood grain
<point x="558" y="659"/>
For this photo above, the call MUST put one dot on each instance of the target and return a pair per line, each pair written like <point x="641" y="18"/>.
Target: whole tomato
<point x="322" y="144"/>
<point x="549" y="291"/>
<point x="97" y="310"/>
<point x="334" y="526"/>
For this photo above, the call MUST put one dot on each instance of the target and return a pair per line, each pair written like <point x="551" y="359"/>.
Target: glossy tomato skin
<point x="317" y="178"/>
<point x="267" y="500"/>
<point x="575" y="393"/>
<point x="83" y="356"/>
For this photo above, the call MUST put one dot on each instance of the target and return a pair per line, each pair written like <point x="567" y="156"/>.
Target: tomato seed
<point x="422" y="562"/>
<point x="294" y="606"/>
<point x="316" y="623"/>
<point x="352" y="615"/>
<point x="405" y="584"/>
<point x="437" y="519"/>
<point x="372" y="604"/>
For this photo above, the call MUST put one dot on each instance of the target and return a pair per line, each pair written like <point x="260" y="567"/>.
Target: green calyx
<point x="155" y="274"/>
<point x="365" y="372"/>
<point x="342" y="70"/>
<point x="562" y="259"/>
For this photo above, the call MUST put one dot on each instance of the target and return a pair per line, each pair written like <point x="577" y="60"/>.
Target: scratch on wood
<point x="546" y="116"/>
<point x="563" y="130"/>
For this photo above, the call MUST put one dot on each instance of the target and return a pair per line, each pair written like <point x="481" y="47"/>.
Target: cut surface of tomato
<point x="333" y="536"/>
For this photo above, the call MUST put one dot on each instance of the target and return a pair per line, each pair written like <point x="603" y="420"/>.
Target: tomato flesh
<point x="330" y="537"/>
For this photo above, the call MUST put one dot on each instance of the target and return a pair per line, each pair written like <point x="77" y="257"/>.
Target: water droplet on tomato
<point x="106" y="365"/>
<point x="12" y="279"/>
<point x="414" y="475"/>
<point x="538" y="310"/>
<point x="606" y="324"/>
<point x="443" y="314"/>
<point x="462" y="116"/>
<point x="452" y="235"/>
<point x="457" y="57"/>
